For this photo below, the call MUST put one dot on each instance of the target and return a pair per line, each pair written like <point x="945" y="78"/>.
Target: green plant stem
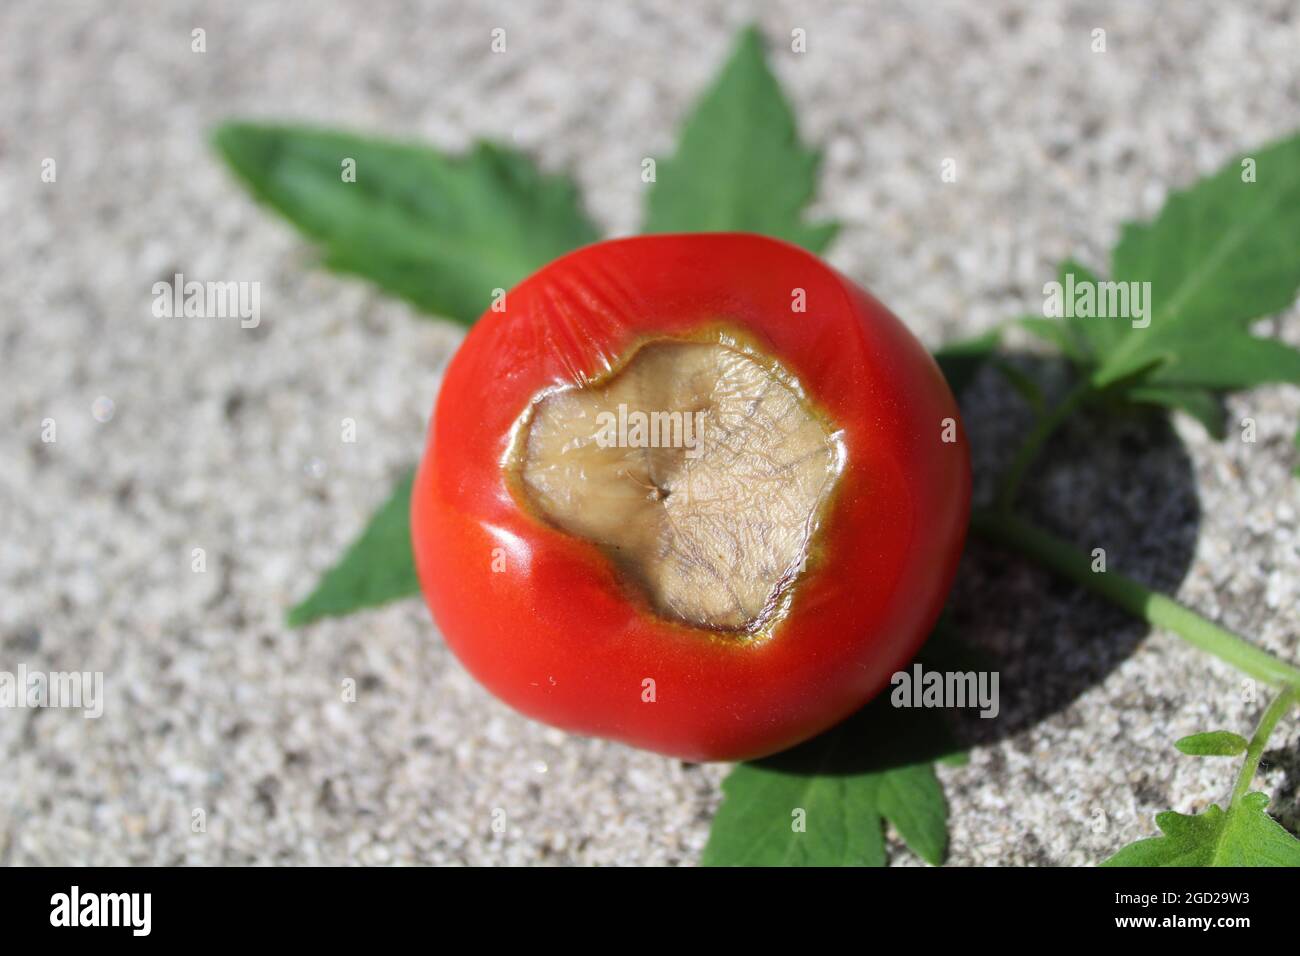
<point x="1281" y="704"/>
<point x="1152" y="606"/>
<point x="1045" y="427"/>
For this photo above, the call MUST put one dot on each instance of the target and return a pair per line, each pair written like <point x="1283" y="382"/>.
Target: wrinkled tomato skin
<point x="559" y="636"/>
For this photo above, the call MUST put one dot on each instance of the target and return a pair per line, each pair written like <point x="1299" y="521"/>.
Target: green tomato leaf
<point x="440" y="231"/>
<point x="763" y="810"/>
<point x="1215" y="743"/>
<point x="1201" y="403"/>
<point x="825" y="803"/>
<point x="911" y="798"/>
<point x="1243" y="836"/>
<point x="739" y="165"/>
<point x="1219" y="255"/>
<point x="1059" y="334"/>
<point x="376" y="569"/>
<point x="1092" y="337"/>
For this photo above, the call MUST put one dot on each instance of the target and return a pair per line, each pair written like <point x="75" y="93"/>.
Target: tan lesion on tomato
<point x="698" y="466"/>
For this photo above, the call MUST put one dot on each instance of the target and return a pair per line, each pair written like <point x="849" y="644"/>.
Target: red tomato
<point x="551" y="624"/>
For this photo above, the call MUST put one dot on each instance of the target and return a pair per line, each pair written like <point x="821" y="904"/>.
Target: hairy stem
<point x="1152" y="606"/>
<point x="1043" y="430"/>
<point x="1281" y="704"/>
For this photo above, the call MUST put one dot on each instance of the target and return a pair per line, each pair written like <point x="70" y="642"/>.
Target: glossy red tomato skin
<point x="556" y="635"/>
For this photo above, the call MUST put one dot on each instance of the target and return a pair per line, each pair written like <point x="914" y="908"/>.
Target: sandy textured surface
<point x="228" y="439"/>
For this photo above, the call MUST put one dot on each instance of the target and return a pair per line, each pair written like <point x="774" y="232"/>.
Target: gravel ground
<point x="227" y="439"/>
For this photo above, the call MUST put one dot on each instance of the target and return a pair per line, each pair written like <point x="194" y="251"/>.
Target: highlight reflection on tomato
<point x="697" y="493"/>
